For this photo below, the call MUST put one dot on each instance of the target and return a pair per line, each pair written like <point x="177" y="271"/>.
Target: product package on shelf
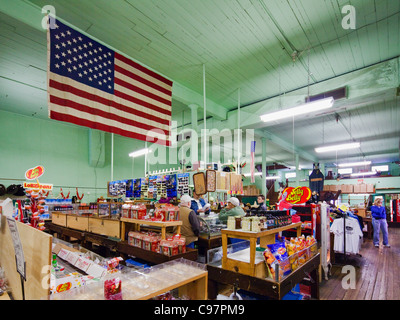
<point x="287" y="255"/>
<point x="138" y="211"/>
<point x="166" y="212"/>
<point x="173" y="245"/>
<point x="112" y="281"/>
<point x="144" y="240"/>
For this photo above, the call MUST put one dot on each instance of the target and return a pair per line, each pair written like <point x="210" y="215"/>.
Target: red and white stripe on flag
<point x="93" y="86"/>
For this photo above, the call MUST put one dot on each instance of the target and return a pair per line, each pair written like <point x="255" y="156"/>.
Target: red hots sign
<point x="34" y="173"/>
<point x="296" y="195"/>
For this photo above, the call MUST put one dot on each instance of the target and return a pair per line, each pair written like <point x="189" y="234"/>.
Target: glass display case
<point x="210" y="226"/>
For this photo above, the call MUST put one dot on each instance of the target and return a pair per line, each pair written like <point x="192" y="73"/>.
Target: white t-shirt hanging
<point x="353" y="235"/>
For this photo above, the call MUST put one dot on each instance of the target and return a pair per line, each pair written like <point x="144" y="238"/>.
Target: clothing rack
<point x="345" y="217"/>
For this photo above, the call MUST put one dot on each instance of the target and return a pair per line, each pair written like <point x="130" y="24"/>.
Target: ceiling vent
<point x="336" y="94"/>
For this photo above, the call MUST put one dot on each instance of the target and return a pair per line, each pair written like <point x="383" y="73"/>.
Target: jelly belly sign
<point x="34" y="173"/>
<point x="297" y="195"/>
<point x="291" y="196"/>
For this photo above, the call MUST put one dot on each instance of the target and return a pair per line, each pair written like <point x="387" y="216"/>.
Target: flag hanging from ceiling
<point x="91" y="85"/>
<point x="252" y="153"/>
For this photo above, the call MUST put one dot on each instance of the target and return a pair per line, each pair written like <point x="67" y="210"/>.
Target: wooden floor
<point x="377" y="273"/>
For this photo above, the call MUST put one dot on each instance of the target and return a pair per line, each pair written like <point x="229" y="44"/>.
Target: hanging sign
<point x="296" y="195"/>
<point x="34" y="173"/>
<point x="38" y="186"/>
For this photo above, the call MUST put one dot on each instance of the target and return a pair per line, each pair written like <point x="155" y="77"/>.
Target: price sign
<point x="19" y="252"/>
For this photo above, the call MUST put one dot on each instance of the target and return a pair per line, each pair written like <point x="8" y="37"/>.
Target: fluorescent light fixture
<point x="260" y="174"/>
<point x="345" y="170"/>
<point x="355" y="164"/>
<point x="299" y="110"/>
<point x="361" y="174"/>
<point x="338" y="147"/>
<point x="140" y="152"/>
<point x="380" y="168"/>
<point x="255" y="173"/>
<point x="290" y="175"/>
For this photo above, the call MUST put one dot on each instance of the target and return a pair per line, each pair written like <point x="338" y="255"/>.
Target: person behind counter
<point x="232" y="209"/>
<point x="190" y="228"/>
<point x="198" y="204"/>
<point x="261" y="203"/>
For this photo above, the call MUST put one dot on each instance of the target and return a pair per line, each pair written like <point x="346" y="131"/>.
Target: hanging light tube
<point x="355" y="164"/>
<point x="299" y="110"/>
<point x="260" y="174"/>
<point x="360" y="174"/>
<point x="140" y="152"/>
<point x="338" y="147"/>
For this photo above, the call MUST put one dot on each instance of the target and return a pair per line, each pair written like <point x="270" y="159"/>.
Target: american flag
<point x="93" y="86"/>
<point x="252" y="153"/>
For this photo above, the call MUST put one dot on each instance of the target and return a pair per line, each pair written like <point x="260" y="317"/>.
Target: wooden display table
<point x="104" y="226"/>
<point x="140" y="222"/>
<point x="251" y="266"/>
<point x="195" y="287"/>
<point x="266" y="287"/>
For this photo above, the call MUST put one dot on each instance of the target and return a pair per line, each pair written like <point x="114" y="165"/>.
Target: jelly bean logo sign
<point x="64" y="287"/>
<point x="34" y="173"/>
<point x="297" y="195"/>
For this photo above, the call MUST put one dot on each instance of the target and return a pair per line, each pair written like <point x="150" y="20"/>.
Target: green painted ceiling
<point x="274" y="51"/>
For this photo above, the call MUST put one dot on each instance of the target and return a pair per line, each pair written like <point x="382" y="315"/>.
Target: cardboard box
<point x="363" y="188"/>
<point x="347" y="188"/>
<point x="357" y="188"/>
<point x="370" y="188"/>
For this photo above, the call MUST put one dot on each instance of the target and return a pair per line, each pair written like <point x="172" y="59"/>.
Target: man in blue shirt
<point x="379" y="222"/>
<point x="198" y="204"/>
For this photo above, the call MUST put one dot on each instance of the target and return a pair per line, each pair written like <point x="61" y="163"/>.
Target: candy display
<point x="136" y="283"/>
<point x="145" y="240"/>
<point x="166" y="212"/>
<point x="112" y="282"/>
<point x="152" y="241"/>
<point x="288" y="255"/>
<point x="112" y="289"/>
<point x="35" y="207"/>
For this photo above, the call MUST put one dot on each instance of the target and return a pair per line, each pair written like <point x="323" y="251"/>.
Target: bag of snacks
<point x="276" y="254"/>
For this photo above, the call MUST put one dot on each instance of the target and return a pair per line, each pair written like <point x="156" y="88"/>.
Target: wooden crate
<point x="59" y="218"/>
<point x="78" y="222"/>
<point x="105" y="227"/>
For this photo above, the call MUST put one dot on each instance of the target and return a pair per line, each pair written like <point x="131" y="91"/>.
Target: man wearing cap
<point x="232" y="209"/>
<point x="190" y="228"/>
